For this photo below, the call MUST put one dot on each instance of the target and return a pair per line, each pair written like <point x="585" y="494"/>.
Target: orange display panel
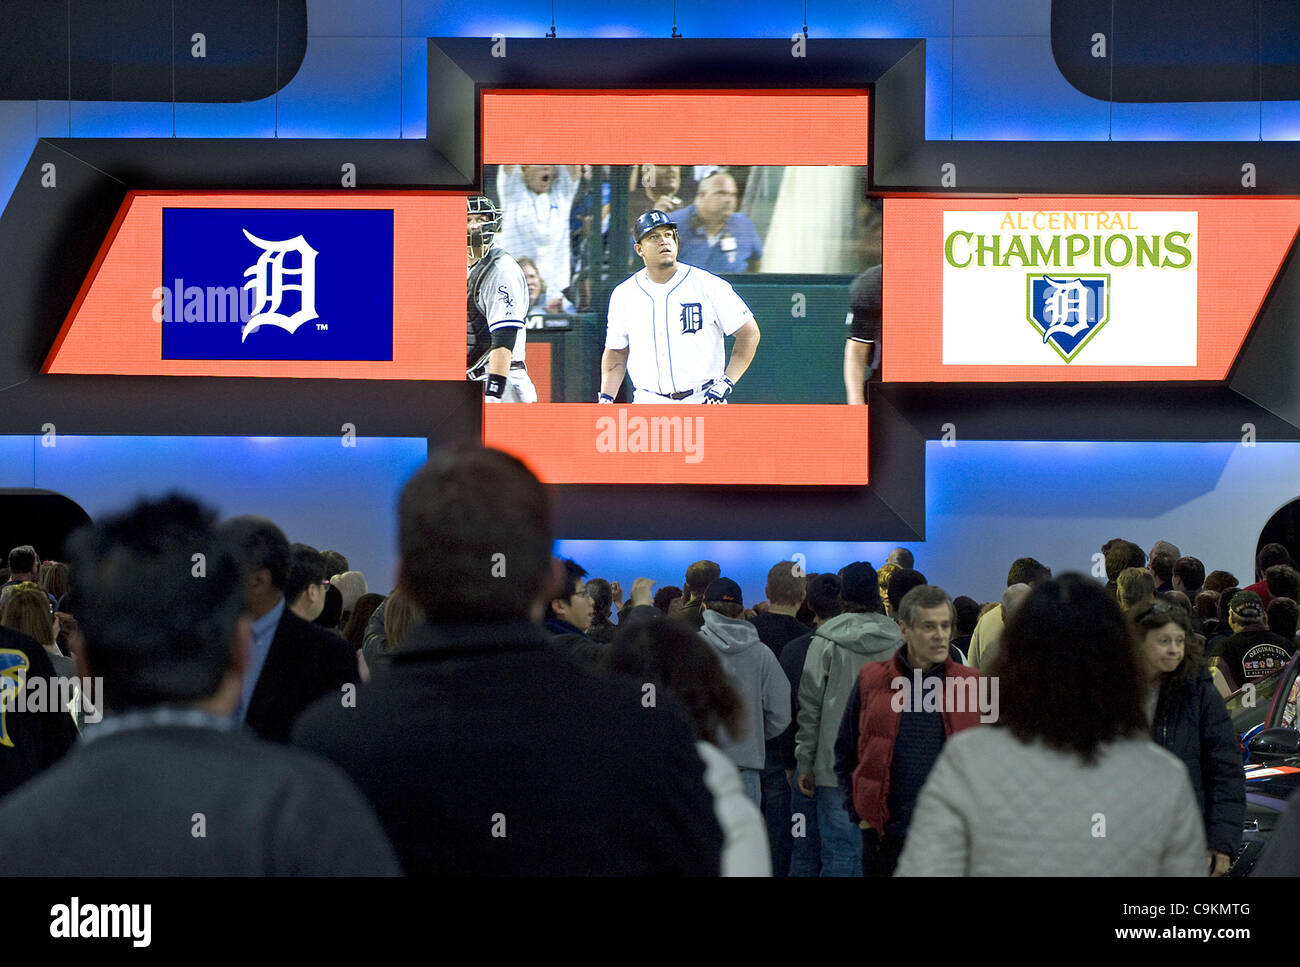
<point x="590" y="443"/>
<point x="689" y="127"/>
<point x="113" y="327"/>
<point x="1075" y="289"/>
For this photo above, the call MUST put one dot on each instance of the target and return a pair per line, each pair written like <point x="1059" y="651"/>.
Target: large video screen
<point x="678" y="315"/>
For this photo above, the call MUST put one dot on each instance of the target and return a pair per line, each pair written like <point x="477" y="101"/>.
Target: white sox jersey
<point x="498" y="298"/>
<point x="674" y="331"/>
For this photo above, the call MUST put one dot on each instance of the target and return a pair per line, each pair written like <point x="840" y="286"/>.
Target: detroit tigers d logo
<point x="269" y="285"/>
<point x="692" y="317"/>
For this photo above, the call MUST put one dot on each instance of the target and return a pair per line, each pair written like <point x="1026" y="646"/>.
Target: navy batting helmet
<point x="649" y="221"/>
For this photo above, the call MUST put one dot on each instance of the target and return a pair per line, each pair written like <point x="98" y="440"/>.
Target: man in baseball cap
<point x="1251" y="651"/>
<point x="756" y="675"/>
<point x="649" y="221"/>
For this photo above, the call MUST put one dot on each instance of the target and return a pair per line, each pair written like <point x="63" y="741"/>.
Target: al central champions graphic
<point x="1043" y="288"/>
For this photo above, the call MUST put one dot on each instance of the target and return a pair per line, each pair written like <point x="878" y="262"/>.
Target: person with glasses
<point x="569" y="616"/>
<point x="1189" y="719"/>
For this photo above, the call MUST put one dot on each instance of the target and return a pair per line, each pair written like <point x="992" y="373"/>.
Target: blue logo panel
<point x="273" y="283"/>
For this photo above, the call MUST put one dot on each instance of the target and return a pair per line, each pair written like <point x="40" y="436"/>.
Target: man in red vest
<point x="897" y="721"/>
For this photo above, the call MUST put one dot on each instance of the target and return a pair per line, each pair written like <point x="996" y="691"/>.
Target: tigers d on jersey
<point x="674" y="331"/>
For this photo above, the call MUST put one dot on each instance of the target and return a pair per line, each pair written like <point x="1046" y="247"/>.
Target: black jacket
<point x="1192" y="722"/>
<point x="30" y="741"/>
<point x="304" y="663"/>
<point x="485" y="752"/>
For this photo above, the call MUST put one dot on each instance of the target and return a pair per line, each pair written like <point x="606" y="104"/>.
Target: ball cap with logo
<point x="1247" y="605"/>
<point x="723" y="589"/>
<point x="647" y="222"/>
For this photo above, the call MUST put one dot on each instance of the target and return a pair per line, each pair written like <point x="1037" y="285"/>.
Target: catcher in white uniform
<point x="667" y="325"/>
<point x="498" y="299"/>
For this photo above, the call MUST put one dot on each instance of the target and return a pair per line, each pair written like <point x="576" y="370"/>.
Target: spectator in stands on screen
<point x="1219" y="581"/>
<point x="602" y="602"/>
<point x="1283" y="616"/>
<point x="1189" y="576"/>
<point x="654" y="186"/>
<point x="477" y="725"/>
<point x="54" y="579"/>
<point x="1269" y="556"/>
<point x="536" y="292"/>
<point x="1094" y="747"/>
<point x="292" y="662"/>
<point x="1135" y="588"/>
<point x="354" y="632"/>
<point x="171" y="651"/>
<point x="862" y="345"/>
<point x="1162" y="570"/>
<point x="24" y="566"/>
<point x="672" y="657"/>
<point x="823" y="597"/>
<point x="335" y="563"/>
<point x="1283" y="581"/>
<point x="714" y="235"/>
<point x="698" y="577"/>
<point x="984" y="639"/>
<point x="536" y="201"/>
<point x="305" y="586"/>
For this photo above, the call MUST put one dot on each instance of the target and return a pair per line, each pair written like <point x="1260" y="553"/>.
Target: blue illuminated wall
<point x="990" y="73"/>
<point x="989" y="502"/>
<point x="319" y="491"/>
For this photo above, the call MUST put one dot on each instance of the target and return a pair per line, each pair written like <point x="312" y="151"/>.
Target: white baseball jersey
<point x="498" y="297"/>
<point x="674" y="331"/>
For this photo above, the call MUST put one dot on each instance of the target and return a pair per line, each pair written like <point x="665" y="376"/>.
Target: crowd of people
<point x="247" y="706"/>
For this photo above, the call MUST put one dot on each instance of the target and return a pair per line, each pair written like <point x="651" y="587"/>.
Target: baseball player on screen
<point x="667" y="325"/>
<point x="498" y="299"/>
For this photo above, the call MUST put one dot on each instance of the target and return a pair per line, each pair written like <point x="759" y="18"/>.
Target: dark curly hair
<point x="671" y="655"/>
<point x="1069" y="669"/>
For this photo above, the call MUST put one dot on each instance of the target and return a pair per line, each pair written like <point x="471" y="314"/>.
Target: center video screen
<point x="677" y="318"/>
<point x="761" y="262"/>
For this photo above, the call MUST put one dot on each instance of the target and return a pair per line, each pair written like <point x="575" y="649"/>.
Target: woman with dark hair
<point x="602" y="599"/>
<point x="671" y="656"/>
<point x="1067" y="782"/>
<point x="1189" y="719"/>
<point x="355" y="629"/>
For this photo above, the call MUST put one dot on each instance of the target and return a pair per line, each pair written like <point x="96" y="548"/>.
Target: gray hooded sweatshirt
<point x="757" y="676"/>
<point x="838" y="651"/>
